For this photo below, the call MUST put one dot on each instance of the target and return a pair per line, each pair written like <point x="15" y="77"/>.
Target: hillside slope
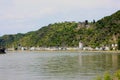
<point x="107" y="30"/>
<point x="103" y="32"/>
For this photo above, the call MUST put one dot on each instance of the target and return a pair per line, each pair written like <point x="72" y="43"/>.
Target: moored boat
<point x="2" y="50"/>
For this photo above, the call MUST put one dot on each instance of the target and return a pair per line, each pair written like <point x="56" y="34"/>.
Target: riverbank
<point x="117" y="51"/>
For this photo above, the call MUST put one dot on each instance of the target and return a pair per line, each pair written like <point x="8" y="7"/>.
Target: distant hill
<point x="69" y="34"/>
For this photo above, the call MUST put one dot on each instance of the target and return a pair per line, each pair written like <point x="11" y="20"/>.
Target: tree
<point x="93" y="21"/>
<point x="86" y="22"/>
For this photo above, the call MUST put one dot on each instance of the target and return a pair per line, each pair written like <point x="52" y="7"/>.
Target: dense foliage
<point x="107" y="29"/>
<point x="69" y="34"/>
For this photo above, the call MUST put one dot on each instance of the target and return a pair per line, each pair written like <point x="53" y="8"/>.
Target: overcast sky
<point x="21" y="16"/>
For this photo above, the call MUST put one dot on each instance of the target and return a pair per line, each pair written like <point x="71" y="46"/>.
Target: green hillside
<point x="107" y="30"/>
<point x="69" y="34"/>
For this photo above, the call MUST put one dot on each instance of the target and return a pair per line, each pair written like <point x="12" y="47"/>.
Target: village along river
<point x="57" y="65"/>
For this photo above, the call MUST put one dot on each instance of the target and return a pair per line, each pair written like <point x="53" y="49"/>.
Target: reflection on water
<point x="56" y="65"/>
<point x="83" y="64"/>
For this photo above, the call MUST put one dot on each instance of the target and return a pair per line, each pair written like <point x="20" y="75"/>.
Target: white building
<point x="32" y="48"/>
<point x="80" y="45"/>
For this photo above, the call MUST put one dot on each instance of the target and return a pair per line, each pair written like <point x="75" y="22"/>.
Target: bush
<point x="108" y="76"/>
<point x="117" y="75"/>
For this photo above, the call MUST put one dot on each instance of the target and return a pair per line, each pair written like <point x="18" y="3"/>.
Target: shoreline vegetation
<point x="109" y="76"/>
<point x="94" y="51"/>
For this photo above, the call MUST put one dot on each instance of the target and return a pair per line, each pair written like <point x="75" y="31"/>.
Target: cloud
<point x="31" y="9"/>
<point x="25" y="9"/>
<point x="18" y="14"/>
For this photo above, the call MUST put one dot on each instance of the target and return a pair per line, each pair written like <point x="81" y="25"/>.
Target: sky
<point x="22" y="16"/>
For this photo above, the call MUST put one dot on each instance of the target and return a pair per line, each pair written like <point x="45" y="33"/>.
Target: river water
<point x="58" y="65"/>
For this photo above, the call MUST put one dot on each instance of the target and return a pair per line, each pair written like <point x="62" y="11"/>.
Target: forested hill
<point x="68" y="34"/>
<point x="107" y="30"/>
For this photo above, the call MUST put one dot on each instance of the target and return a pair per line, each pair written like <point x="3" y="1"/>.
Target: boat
<point x="2" y="50"/>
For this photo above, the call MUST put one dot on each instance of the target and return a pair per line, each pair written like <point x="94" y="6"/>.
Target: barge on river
<point x="2" y="50"/>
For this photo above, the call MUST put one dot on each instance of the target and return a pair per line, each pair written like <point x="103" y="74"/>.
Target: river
<point x="57" y="65"/>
